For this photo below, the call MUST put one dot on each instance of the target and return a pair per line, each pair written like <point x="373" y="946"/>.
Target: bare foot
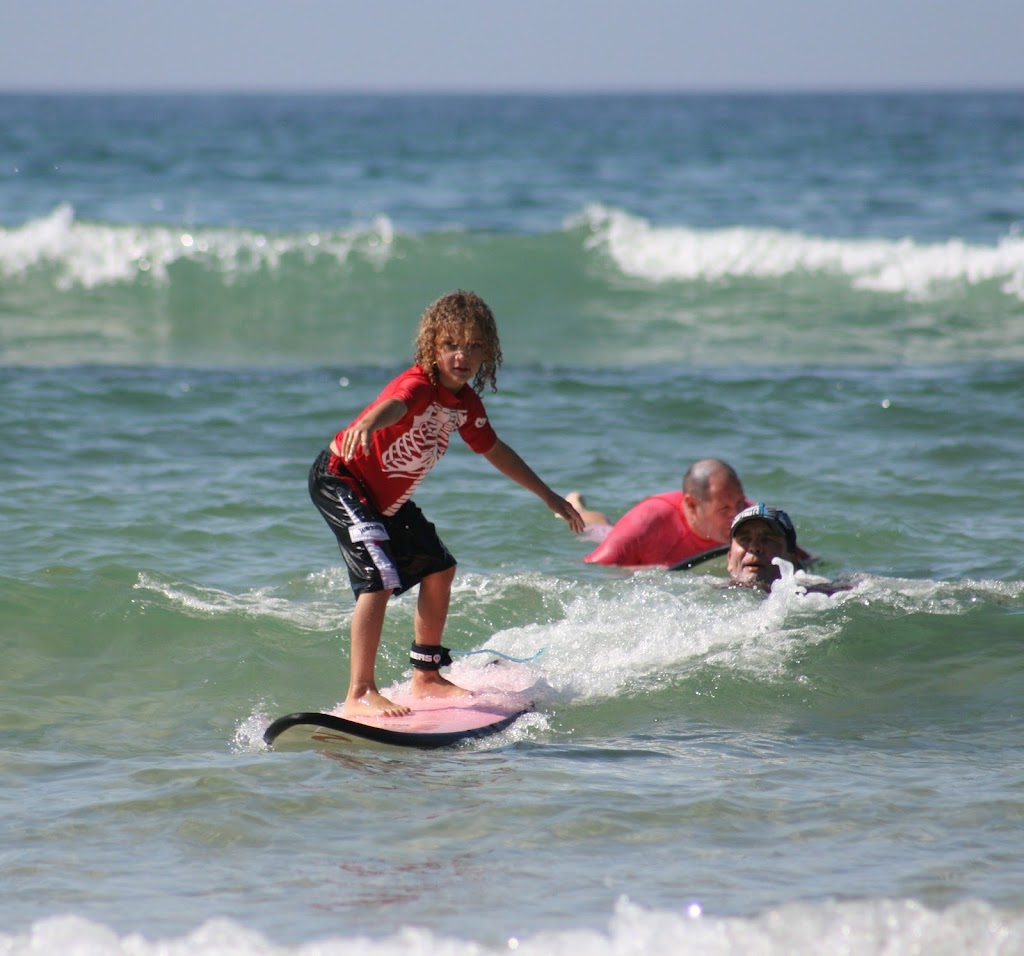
<point x="589" y="516"/>
<point x="432" y="684"/>
<point x="373" y="704"/>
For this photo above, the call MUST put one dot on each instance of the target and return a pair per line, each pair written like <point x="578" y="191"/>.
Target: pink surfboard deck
<point x="501" y="694"/>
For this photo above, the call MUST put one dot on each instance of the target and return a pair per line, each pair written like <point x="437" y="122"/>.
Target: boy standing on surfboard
<point x="363" y="483"/>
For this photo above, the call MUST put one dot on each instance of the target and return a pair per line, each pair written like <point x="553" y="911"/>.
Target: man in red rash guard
<point x="667" y="528"/>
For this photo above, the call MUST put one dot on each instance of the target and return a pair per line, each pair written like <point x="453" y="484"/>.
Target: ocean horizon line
<point x="597" y="92"/>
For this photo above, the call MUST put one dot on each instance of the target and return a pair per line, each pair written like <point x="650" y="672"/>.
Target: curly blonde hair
<point x="459" y="316"/>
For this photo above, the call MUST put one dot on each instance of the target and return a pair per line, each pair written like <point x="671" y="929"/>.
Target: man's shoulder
<point x="656" y="505"/>
<point x="647" y="535"/>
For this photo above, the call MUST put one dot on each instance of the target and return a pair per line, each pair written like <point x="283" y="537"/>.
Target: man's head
<point x="760" y="533"/>
<point x="712" y="494"/>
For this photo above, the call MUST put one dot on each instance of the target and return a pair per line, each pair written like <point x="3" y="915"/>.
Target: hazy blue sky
<point x="516" y="45"/>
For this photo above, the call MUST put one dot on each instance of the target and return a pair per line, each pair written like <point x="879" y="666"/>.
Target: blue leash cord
<point x="504" y="657"/>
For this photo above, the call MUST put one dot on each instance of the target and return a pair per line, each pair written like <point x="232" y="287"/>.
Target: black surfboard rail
<point x="339" y="726"/>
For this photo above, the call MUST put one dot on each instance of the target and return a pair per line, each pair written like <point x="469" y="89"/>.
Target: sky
<point x="519" y="45"/>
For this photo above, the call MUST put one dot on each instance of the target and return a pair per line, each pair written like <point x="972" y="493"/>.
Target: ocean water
<point x="827" y="291"/>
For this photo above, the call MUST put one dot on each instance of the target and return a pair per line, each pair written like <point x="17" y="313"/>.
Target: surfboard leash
<point x="504" y="657"/>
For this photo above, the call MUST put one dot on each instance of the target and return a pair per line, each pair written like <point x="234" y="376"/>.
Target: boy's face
<point x="460" y="353"/>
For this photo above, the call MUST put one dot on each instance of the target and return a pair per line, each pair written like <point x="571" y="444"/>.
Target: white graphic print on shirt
<point x="416" y="451"/>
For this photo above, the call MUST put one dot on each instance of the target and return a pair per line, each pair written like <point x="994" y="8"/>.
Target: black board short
<point x="381" y="553"/>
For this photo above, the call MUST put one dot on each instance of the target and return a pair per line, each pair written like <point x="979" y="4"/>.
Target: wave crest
<point x="903" y="267"/>
<point x="88" y="255"/>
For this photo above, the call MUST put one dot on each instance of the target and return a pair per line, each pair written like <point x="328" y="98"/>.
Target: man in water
<point x="667" y="528"/>
<point x="760" y="534"/>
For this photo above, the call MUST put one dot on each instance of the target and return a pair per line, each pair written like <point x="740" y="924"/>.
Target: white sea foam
<point x="260" y="602"/>
<point x="89" y="255"/>
<point x="641" y="632"/>
<point x="867" y="928"/>
<point x="638" y="632"/>
<point x="904" y="267"/>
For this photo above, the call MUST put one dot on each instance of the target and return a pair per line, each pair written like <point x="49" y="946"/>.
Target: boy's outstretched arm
<point x="358" y="434"/>
<point x="508" y="462"/>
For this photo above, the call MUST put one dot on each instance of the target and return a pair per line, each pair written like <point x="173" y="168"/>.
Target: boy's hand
<point x="359" y="433"/>
<point x="566" y="511"/>
<point x="356" y="437"/>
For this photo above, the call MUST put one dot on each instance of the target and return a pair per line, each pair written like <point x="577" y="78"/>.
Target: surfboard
<point x="694" y="560"/>
<point x="424" y="730"/>
<point x="434" y="721"/>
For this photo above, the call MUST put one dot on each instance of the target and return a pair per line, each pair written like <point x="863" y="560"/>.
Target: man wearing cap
<point x="759" y="534"/>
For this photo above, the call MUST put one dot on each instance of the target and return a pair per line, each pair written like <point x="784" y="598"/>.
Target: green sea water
<point x="707" y="770"/>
